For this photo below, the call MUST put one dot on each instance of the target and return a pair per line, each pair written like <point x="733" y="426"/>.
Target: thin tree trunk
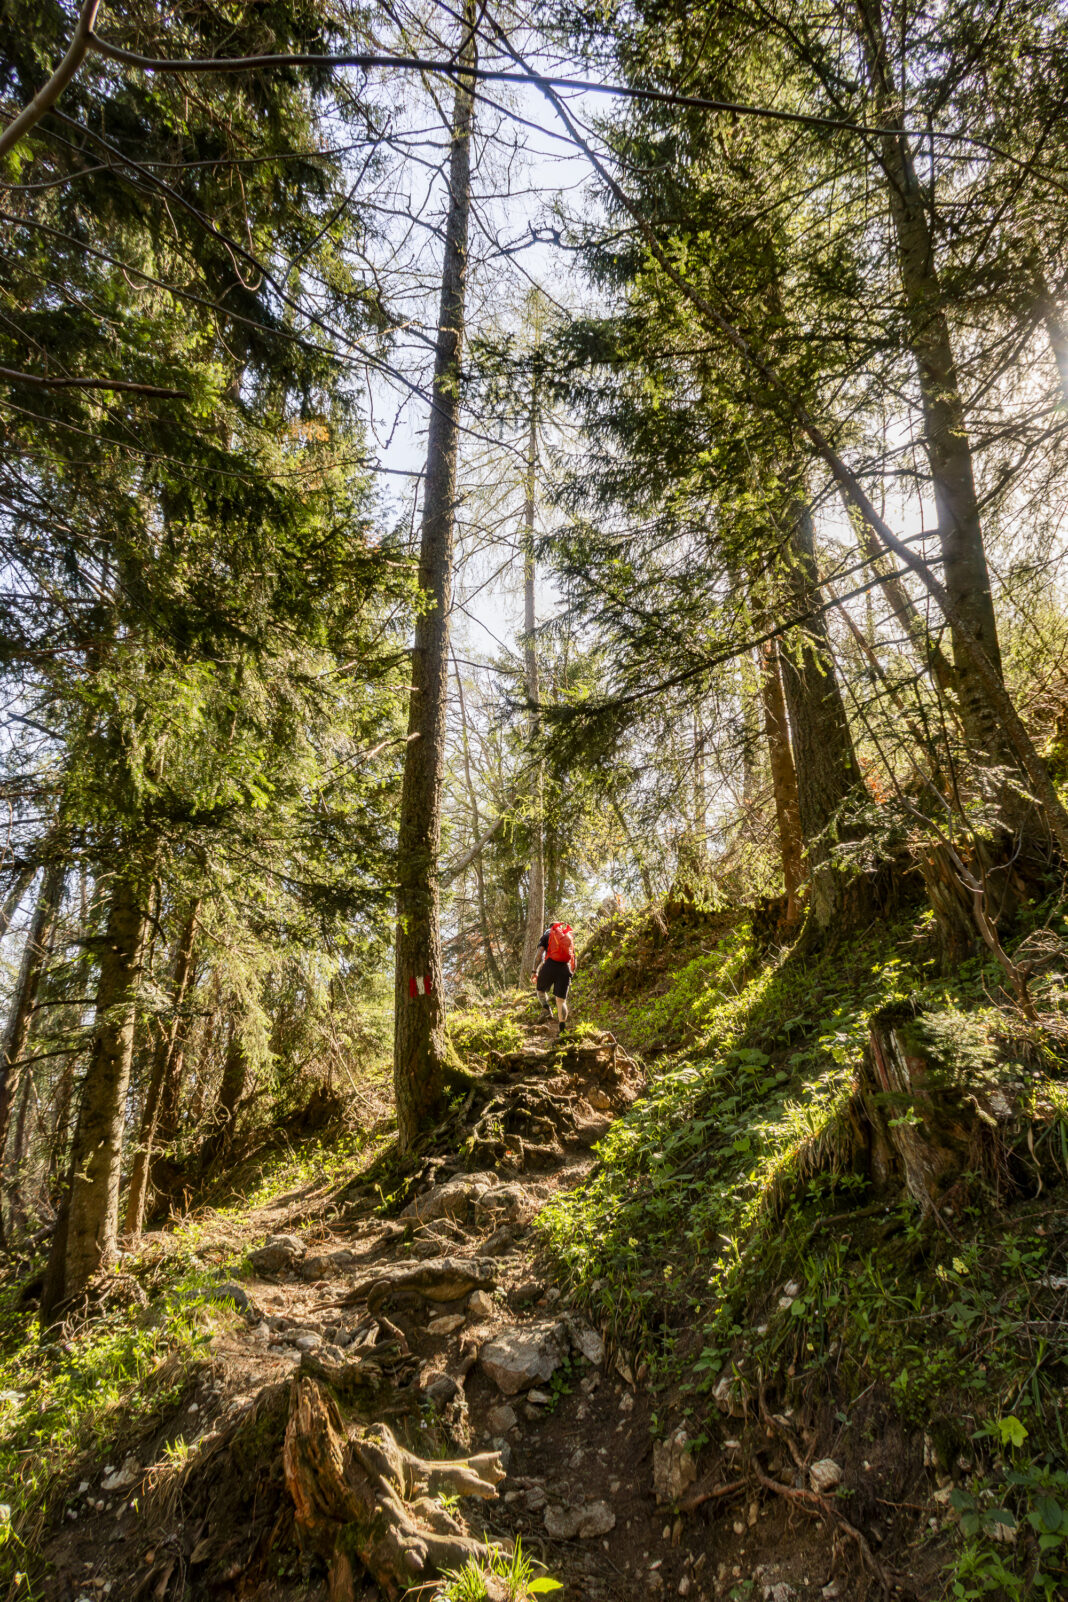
<point x="965" y="575"/>
<point x="163" y="1061"/>
<point x="16" y="1223"/>
<point x="231" y="1091"/>
<point x="21" y="884"/>
<point x="536" y="883"/>
<point x="635" y="850"/>
<point x="480" y="877"/>
<point x="824" y="758"/>
<point x="986" y="673"/>
<point x="86" y="1230"/>
<point x="34" y="955"/>
<point x="1047" y="309"/>
<point x="419" y="1022"/>
<point x="783" y="779"/>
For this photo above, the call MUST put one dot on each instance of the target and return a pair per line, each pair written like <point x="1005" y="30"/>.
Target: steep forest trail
<point x="440" y="1320"/>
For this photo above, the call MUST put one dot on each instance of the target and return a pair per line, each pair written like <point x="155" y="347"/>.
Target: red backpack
<point x="561" y="943"/>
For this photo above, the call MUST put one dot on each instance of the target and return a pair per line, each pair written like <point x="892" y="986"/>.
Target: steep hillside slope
<point x="691" y="1303"/>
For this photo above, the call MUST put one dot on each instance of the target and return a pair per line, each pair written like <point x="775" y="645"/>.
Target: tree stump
<point x="933" y="1117"/>
<point x="362" y="1499"/>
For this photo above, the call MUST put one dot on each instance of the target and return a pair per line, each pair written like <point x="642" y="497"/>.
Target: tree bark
<point x="783" y="779"/>
<point x="1047" y="309"/>
<point x="965" y="574"/>
<point x="87" y="1226"/>
<point x="480" y="878"/>
<point x="824" y="759"/>
<point x="419" y="1021"/>
<point x="34" y="956"/>
<point x="231" y="1091"/>
<point x="26" y="874"/>
<point x="536" y="880"/>
<point x="167" y="1050"/>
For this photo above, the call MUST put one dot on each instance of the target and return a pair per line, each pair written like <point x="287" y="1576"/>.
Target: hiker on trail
<point x="556" y="948"/>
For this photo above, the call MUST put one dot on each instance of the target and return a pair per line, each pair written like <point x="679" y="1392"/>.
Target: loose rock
<point x="518" y="1359"/>
<point x="825" y="1474"/>
<point x="446" y="1325"/>
<point x="586" y="1341"/>
<point x="499" y="1420"/>
<point x="278" y="1254"/>
<point x="453" y="1199"/>
<point x="480" y="1305"/>
<point x="674" y="1469"/>
<point x="587" y="1522"/>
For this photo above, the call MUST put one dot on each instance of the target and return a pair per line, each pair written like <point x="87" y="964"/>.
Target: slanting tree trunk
<point x="19" y="886"/>
<point x="162" y="1062"/>
<point x="964" y="573"/>
<point x="87" y="1226"/>
<point x="635" y="850"/>
<point x="34" y="955"/>
<point x="492" y="967"/>
<point x="419" y="1021"/>
<point x="536" y="878"/>
<point x="825" y="762"/>
<point x="783" y="779"/>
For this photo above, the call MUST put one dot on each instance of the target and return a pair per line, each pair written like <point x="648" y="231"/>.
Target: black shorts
<point x="554" y="976"/>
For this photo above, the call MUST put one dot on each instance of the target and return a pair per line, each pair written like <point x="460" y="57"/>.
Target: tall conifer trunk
<point x="166" y="1047"/>
<point x="783" y="779"/>
<point x="419" y="1026"/>
<point x="87" y="1226"/>
<point x="965" y="573"/>
<point x="536" y="884"/>
<point x="492" y="967"/>
<point x="824" y="758"/>
<point x="34" y="955"/>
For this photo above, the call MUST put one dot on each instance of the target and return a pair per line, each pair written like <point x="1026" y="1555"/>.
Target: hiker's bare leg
<point x="561" y="1009"/>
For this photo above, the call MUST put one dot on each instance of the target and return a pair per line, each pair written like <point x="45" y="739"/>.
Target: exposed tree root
<point x="814" y="1502"/>
<point x="363" y="1499"/>
<point x="704" y="1492"/>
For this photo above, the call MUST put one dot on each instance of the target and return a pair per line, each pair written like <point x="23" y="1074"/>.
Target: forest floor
<point x="714" y="1359"/>
<point x="505" y="1365"/>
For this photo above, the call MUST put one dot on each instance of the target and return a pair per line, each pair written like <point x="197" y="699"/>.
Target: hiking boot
<point x="563" y="1028"/>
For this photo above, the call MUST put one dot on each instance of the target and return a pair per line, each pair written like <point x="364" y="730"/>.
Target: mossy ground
<point x="729" y="1229"/>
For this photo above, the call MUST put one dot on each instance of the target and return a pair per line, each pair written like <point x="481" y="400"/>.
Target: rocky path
<point x="415" y="1384"/>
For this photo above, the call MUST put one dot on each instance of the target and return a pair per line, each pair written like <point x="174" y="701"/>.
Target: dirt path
<point x="441" y="1322"/>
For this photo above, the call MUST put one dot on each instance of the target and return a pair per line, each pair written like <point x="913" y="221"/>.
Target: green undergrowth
<point x="94" y="1388"/>
<point x="730" y="1235"/>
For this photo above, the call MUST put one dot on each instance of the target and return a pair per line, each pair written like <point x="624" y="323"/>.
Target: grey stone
<point x="227" y="1292"/>
<point x="327" y="1265"/>
<point x="825" y="1474"/>
<point x="585" y="1339"/>
<point x="447" y="1324"/>
<point x="480" y="1305"/>
<point x="505" y="1204"/>
<point x="453" y="1199"/>
<point x="586" y="1522"/>
<point x="674" y="1469"/>
<point x="518" y="1359"/>
<point x="307" y="1340"/>
<point x="499" y="1420"/>
<point x="539" y="1398"/>
<point x="501" y="1241"/>
<point x="279" y="1254"/>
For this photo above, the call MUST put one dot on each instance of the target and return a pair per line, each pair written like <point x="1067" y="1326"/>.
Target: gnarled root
<point x="363" y="1499"/>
